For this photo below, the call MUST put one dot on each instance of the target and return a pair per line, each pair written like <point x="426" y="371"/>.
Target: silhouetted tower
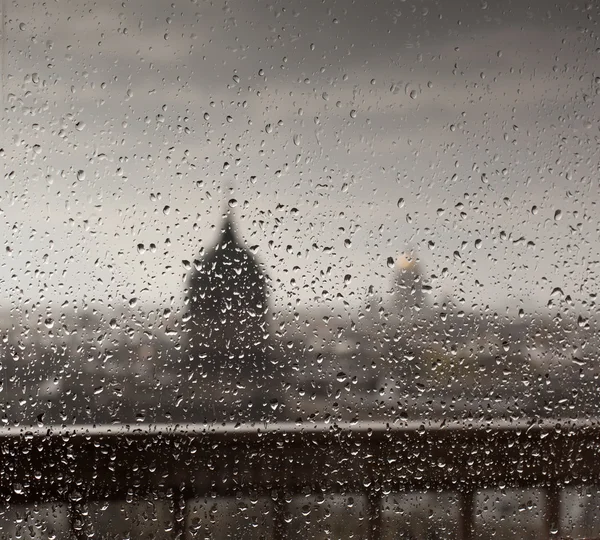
<point x="227" y="326"/>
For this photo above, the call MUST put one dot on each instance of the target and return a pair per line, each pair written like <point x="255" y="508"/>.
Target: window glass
<point x="253" y="250"/>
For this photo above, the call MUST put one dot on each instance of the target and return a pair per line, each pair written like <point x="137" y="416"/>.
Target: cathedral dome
<point x="406" y="261"/>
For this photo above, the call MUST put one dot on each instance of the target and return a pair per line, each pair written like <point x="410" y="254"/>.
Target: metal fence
<point x="83" y="464"/>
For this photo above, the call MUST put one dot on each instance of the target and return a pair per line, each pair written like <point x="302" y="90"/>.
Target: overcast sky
<point x="349" y="130"/>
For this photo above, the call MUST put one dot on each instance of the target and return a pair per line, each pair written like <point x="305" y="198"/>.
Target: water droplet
<point x="411" y="91"/>
<point x="80" y="175"/>
<point x="557" y="291"/>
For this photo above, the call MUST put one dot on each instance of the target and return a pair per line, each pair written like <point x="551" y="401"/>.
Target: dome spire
<point x="227" y="228"/>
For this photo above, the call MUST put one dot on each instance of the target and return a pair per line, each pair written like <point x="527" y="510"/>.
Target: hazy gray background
<point x="387" y="124"/>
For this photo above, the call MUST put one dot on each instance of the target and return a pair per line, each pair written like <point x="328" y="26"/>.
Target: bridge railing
<point x="84" y="464"/>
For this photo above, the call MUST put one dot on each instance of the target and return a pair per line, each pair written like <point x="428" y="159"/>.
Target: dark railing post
<point x="279" y="528"/>
<point x="374" y="515"/>
<point x="179" y="514"/>
<point x="466" y="517"/>
<point x="76" y="521"/>
<point x="552" y="513"/>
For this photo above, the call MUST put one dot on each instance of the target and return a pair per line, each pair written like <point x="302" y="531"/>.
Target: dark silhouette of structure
<point x="227" y="326"/>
